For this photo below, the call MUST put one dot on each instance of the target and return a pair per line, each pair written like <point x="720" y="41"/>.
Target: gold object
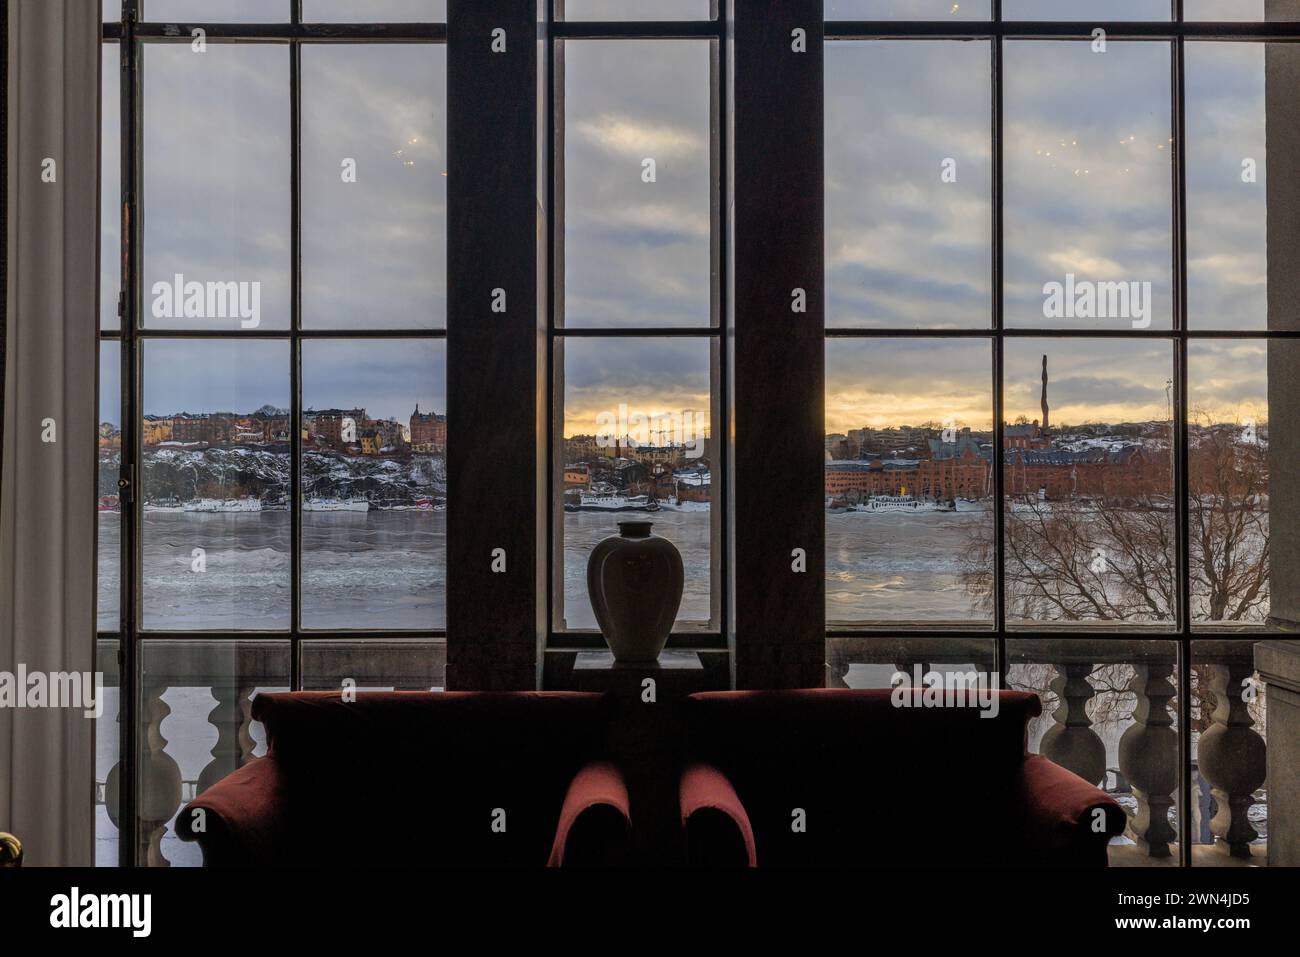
<point x="11" y="851"/>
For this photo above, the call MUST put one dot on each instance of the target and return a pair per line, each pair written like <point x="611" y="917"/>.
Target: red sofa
<point x="423" y="779"/>
<point x="882" y="785"/>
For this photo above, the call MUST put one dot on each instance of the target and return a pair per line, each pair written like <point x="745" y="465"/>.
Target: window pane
<point x="1088" y="185"/>
<point x="374" y="186"/>
<point x="1229" y="756"/>
<point x="908" y="174"/>
<point x="375" y="11"/>
<point x="1091" y="10"/>
<point x="109" y="457"/>
<point x="1122" y="732"/>
<point x="112" y="10"/>
<point x="374" y="484"/>
<point x="217" y="11"/>
<point x="907" y="10"/>
<point x="215" y="436"/>
<point x="1228" y="468"/>
<point x="216" y="186"/>
<point x="873" y="662"/>
<point x="195" y="729"/>
<point x="1087" y="455"/>
<point x="636" y="182"/>
<point x="1241" y="10"/>
<point x="632" y="9"/>
<point x="1230" y="282"/>
<point x="108" y="750"/>
<point x="110" y="186"/>
<point x="909" y="449"/>
<point x="636" y="424"/>
<point x="373" y="665"/>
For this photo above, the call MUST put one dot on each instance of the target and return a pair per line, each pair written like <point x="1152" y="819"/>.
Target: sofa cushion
<point x="861" y="776"/>
<point x="423" y="778"/>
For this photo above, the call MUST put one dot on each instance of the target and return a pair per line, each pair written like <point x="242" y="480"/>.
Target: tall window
<point x="636" y="253"/>
<point x="1052" y="301"/>
<point x="272" y="377"/>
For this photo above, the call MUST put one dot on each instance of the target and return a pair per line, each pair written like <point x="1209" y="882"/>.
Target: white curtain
<point x="47" y="475"/>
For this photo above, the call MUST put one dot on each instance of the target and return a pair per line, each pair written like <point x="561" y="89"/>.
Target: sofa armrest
<point x="595" y="819"/>
<point x="717" y="827"/>
<point x="238" y="820"/>
<point x="1067" y="821"/>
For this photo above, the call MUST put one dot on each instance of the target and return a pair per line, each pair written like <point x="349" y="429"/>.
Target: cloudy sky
<point x="1087" y="192"/>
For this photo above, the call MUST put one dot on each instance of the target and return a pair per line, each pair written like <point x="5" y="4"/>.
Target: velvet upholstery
<point x="871" y="783"/>
<point x="415" y="778"/>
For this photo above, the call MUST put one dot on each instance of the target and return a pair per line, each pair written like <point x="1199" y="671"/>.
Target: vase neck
<point x="635" y="529"/>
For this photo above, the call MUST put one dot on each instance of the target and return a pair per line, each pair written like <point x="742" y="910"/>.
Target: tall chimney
<point x="1044" y="402"/>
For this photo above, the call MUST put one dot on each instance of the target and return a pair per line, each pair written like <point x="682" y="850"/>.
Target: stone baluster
<point x="1148" y="757"/>
<point x="1231" y="755"/>
<point x="160" y="779"/>
<point x="231" y="716"/>
<point x="1071" y="742"/>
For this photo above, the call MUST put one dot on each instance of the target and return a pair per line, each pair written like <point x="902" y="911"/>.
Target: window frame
<point x="558" y="31"/>
<point x="130" y="34"/>
<point x="1182" y="631"/>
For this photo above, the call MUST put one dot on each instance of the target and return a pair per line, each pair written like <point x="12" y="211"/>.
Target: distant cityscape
<point x="625" y="473"/>
<point x="931" y="464"/>
<point x="349" y="432"/>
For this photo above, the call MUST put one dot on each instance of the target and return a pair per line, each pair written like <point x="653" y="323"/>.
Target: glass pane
<point x="373" y="665"/>
<point x="1122" y="732"/>
<point x="195" y="729"/>
<point x="1087" y="453"/>
<point x="632" y="9"/>
<point x="1241" y="10"/>
<point x="1088" y="185"/>
<point x="375" y="11"/>
<point x="1229" y="756"/>
<point x="374" y="483"/>
<point x="908" y="184"/>
<point x="1228" y="493"/>
<point x="216" y="186"/>
<point x="110" y="186"/>
<point x="1090" y="10"/>
<point x="108" y="750"/>
<point x="374" y="186"/>
<point x="108" y="471"/>
<point x="907" y="10"/>
<point x="909" y="483"/>
<point x="215" y="435"/>
<point x="637" y="184"/>
<point x="874" y="662"/>
<point x="217" y="11"/>
<point x="112" y="10"/>
<point x="1234" y="90"/>
<point x="636" y="419"/>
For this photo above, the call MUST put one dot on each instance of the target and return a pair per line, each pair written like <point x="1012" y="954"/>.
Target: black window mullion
<point x="996" y="455"/>
<point x="295" y="360"/>
<point x="1183" y="612"/>
<point x="130" y="509"/>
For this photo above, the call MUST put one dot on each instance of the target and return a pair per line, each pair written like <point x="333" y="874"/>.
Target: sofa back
<point x="428" y="778"/>
<point x="869" y="780"/>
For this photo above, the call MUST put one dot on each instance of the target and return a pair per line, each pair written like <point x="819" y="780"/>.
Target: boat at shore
<point x="611" y="502"/>
<point x="904" y="503"/>
<point x="336" y="505"/>
<point x="245" y="504"/>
